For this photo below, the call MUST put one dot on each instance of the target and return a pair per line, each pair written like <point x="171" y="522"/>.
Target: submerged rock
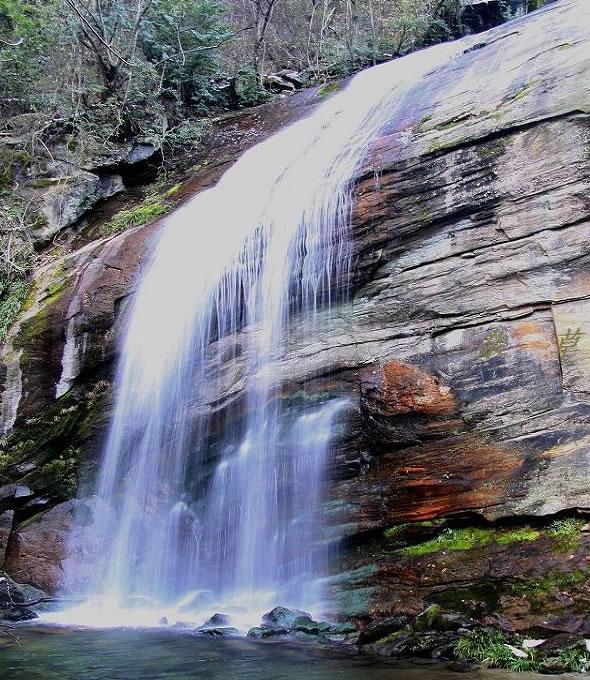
<point x="462" y="666"/>
<point x="219" y="631"/>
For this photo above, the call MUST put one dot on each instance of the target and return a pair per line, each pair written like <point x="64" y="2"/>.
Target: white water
<point x="186" y="523"/>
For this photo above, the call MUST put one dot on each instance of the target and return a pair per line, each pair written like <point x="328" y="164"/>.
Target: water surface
<point x="57" y="653"/>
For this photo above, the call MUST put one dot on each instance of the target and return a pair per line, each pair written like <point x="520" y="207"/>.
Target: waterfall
<point x="191" y="513"/>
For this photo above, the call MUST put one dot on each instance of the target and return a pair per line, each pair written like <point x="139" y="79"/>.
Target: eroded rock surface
<point x="464" y="347"/>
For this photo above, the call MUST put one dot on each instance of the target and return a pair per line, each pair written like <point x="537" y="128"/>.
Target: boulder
<point x="216" y="621"/>
<point x="14" y="594"/>
<point x="382" y="628"/>
<point x="284" y="618"/>
<point x="261" y="632"/>
<point x="68" y="194"/>
<point x="38" y="549"/>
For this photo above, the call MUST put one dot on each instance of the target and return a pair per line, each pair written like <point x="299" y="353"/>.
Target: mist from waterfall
<point x="197" y="512"/>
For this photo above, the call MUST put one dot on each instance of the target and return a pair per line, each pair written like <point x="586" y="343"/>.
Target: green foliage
<point x="488" y="645"/>
<point x="524" y="535"/>
<point x="574" y="660"/>
<point x="535" y="4"/>
<point x="59" y="476"/>
<point x="542" y="587"/>
<point x="482" y="644"/>
<point x="27" y="29"/>
<point x="180" y="38"/>
<point x="566" y="533"/>
<point x="451" y="539"/>
<point x="248" y="90"/>
<point x="10" y="305"/>
<point x="17" y="249"/>
<point x="145" y="212"/>
<point x="329" y="88"/>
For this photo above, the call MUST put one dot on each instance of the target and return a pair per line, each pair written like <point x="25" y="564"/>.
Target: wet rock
<point x="6" y="522"/>
<point x="433" y="645"/>
<point x="402" y="404"/>
<point x="217" y="620"/>
<point x="345" y="628"/>
<point x="14" y="594"/>
<point x="562" y="641"/>
<point x="219" y="631"/>
<point x="471" y="273"/>
<point x="37" y="550"/>
<point x="261" y="632"/>
<point x="552" y="666"/>
<point x="307" y="625"/>
<point x="462" y="666"/>
<point x="282" y="617"/>
<point x="382" y="628"/>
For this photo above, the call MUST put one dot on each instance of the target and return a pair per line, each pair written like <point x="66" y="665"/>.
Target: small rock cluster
<point x="299" y="625"/>
<point x="464" y="644"/>
<point x="12" y="598"/>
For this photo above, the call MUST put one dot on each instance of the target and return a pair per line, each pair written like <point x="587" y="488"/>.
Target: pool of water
<point x="58" y="653"/>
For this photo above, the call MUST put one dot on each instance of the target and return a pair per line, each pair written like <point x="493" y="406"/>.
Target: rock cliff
<point x="461" y="468"/>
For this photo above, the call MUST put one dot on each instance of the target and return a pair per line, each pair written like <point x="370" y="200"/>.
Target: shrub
<point x="574" y="660"/>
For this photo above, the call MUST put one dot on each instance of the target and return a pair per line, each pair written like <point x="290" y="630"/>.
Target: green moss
<point x="423" y="121"/>
<point x="399" y="531"/>
<point x="41" y="439"/>
<point x="494" y="149"/>
<point x="565" y="533"/>
<point x="56" y="285"/>
<point x="329" y="88"/>
<point x="11" y="304"/>
<point x="452" y="122"/>
<point x="451" y="540"/>
<point x="522" y="92"/>
<point x="31" y="328"/>
<point x="145" y="212"/>
<point x="543" y="587"/>
<point x="10" y="159"/>
<point x="394" y="636"/>
<point x="524" y="535"/>
<point x="31" y="297"/>
<point x="172" y="190"/>
<point x="428" y="618"/>
<point x="58" y="477"/>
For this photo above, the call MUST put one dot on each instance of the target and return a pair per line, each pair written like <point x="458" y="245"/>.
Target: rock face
<point x="465" y="346"/>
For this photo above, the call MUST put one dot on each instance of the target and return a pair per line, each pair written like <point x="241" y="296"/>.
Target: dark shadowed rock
<point x="218" y="631"/>
<point x="382" y="628"/>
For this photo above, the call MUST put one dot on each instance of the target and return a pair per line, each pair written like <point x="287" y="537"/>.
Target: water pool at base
<point x="58" y="653"/>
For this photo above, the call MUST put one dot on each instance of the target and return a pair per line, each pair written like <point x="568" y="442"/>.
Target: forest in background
<point x="92" y="75"/>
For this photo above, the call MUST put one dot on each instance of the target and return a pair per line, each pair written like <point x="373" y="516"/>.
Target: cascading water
<point x="267" y="244"/>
